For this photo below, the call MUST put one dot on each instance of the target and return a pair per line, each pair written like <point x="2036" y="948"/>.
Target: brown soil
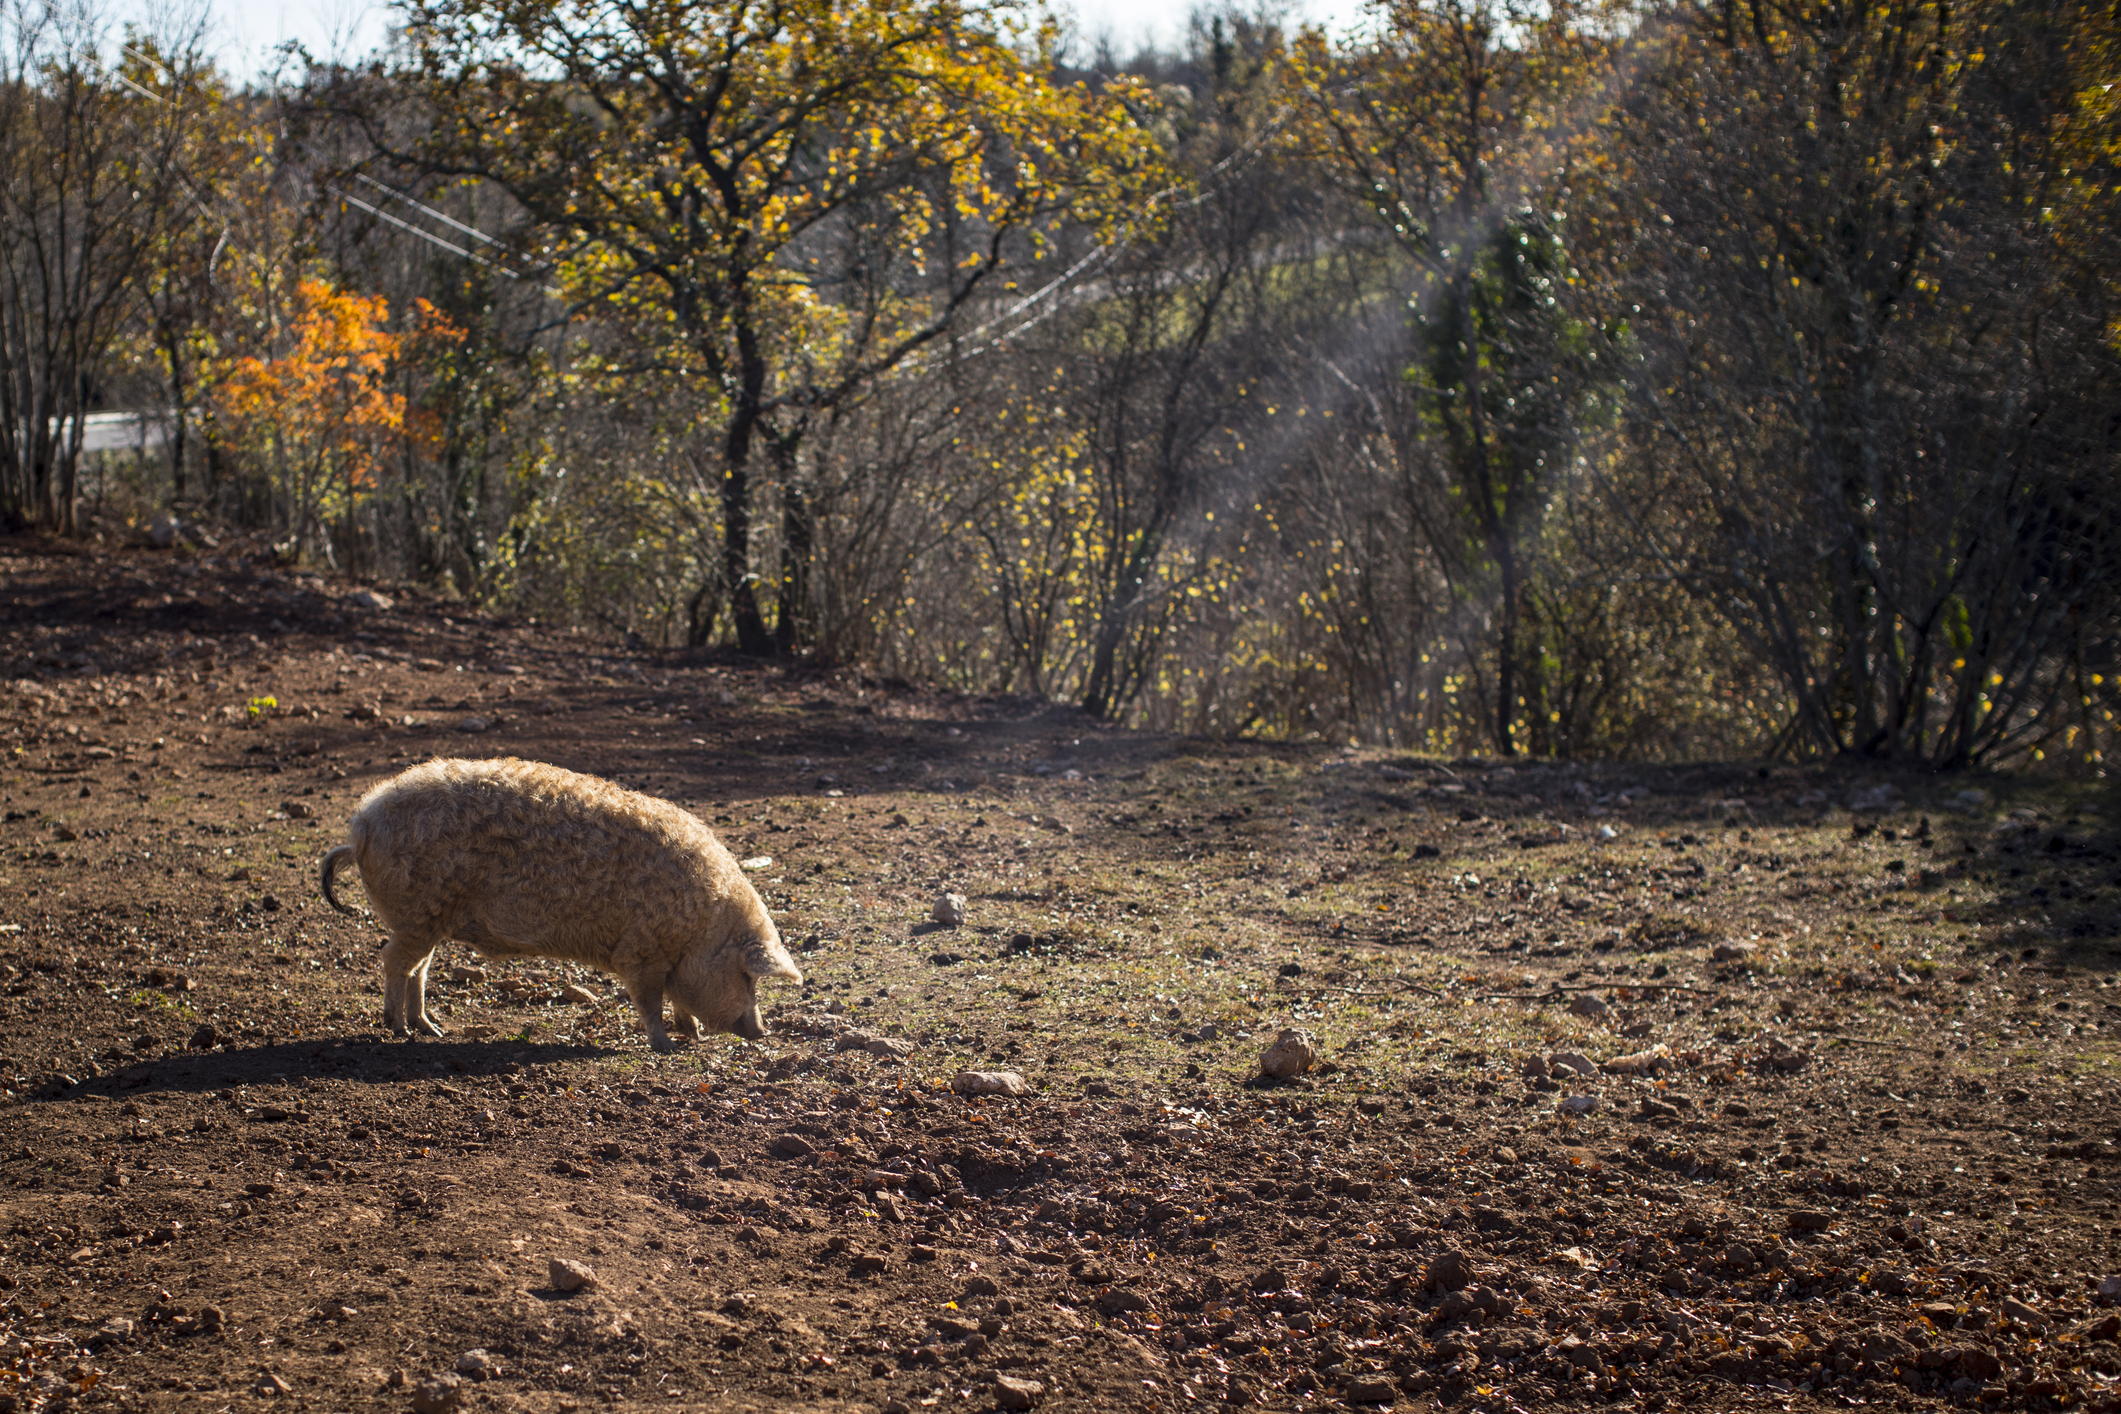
<point x="1872" y="1162"/>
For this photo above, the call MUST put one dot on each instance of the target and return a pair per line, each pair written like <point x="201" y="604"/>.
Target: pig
<point x="521" y="859"/>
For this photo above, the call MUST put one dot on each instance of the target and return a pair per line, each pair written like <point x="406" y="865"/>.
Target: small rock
<point x="568" y="1275"/>
<point x="1010" y="1392"/>
<point x="791" y="1146"/>
<point x="1579" y="1104"/>
<point x="270" y="1384"/>
<point x="756" y="862"/>
<point x="2110" y="1286"/>
<point x="461" y="973"/>
<point x="1783" y="1056"/>
<point x="298" y="810"/>
<point x="1809" y="1221"/>
<point x="1640" y="1063"/>
<point x="1290" y="1056"/>
<point x="2023" y="1314"/>
<point x="1451" y="1270"/>
<point x="1122" y="1299"/>
<point x="983" y="1286"/>
<point x="438" y="1395"/>
<point x="474" y="724"/>
<point x="867" y="1264"/>
<point x="204" y="1038"/>
<point x="1730" y="952"/>
<point x="478" y="1365"/>
<point x="1589" y="1004"/>
<point x="579" y="995"/>
<point x="1370" y="1389"/>
<point x="888" y="1047"/>
<point x="2106" y="1327"/>
<point x="1535" y="1068"/>
<point x="888" y="1209"/>
<point x="115" y="1331"/>
<point x="989" y="1082"/>
<point x="1571" y="1061"/>
<point x="949" y="910"/>
<point x="369" y="599"/>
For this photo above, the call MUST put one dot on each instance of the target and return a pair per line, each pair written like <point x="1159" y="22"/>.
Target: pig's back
<point x="547" y="839"/>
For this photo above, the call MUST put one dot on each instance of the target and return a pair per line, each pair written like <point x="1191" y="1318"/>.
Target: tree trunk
<point x="1494" y="519"/>
<point x="795" y="623"/>
<point x="752" y="636"/>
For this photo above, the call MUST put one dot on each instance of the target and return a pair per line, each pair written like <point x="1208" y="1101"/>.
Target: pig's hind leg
<point x="405" y="961"/>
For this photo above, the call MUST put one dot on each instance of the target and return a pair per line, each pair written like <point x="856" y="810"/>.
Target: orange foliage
<point x="326" y="406"/>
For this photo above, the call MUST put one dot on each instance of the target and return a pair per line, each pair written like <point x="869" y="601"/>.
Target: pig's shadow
<point x="363" y="1058"/>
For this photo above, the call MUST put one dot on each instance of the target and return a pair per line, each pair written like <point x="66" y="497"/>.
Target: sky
<point x="246" y="32"/>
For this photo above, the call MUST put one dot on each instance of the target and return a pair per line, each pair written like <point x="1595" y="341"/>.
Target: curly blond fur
<point x="521" y="859"/>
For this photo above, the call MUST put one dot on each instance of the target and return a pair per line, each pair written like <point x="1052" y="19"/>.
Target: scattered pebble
<point x="1571" y="1061"/>
<point x="1450" y="1270"/>
<point x="1579" y="1104"/>
<point x="435" y="1396"/>
<point x="949" y="910"/>
<point x="1589" y="1004"/>
<point x="1011" y="1392"/>
<point x="2020" y="1312"/>
<point x="1640" y="1063"/>
<point x="1290" y="1056"/>
<point x="567" y="1275"/>
<point x="477" y="1364"/>
<point x="989" y="1082"/>
<point x="1730" y="952"/>
<point x="579" y="995"/>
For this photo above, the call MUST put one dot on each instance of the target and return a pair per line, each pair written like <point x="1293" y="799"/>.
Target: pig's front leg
<point x="647" y="994"/>
<point x="687" y="1024"/>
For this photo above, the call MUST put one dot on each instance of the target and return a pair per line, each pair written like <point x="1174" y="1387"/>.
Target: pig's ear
<point x="770" y="959"/>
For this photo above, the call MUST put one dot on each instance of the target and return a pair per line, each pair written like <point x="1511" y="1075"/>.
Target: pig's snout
<point x="749" y="1026"/>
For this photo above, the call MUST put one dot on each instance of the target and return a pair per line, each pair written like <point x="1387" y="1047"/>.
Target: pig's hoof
<point x="425" y="1026"/>
<point x="663" y="1045"/>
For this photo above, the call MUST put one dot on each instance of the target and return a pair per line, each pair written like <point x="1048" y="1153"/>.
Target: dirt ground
<point x="1718" y="1087"/>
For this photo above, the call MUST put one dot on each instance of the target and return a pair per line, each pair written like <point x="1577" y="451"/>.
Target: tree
<point x="86" y="182"/>
<point x="1451" y="130"/>
<point x="322" y="412"/>
<point x="1875" y="409"/>
<point x="786" y="201"/>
